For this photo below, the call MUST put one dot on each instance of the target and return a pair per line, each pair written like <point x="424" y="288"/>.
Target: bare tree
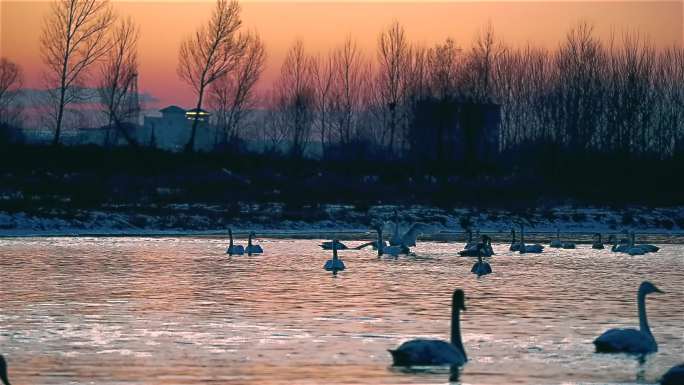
<point x="443" y="68"/>
<point x="214" y="50"/>
<point x="579" y="65"/>
<point x="295" y="98"/>
<point x="323" y="74"/>
<point x="11" y="79"/>
<point x="348" y="83"/>
<point x="118" y="81"/>
<point x="74" y="37"/>
<point x="232" y="95"/>
<point x="480" y="64"/>
<point x="391" y="77"/>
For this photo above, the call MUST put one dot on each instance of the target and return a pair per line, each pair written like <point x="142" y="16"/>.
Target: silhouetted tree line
<point x="622" y="97"/>
<point x="616" y="103"/>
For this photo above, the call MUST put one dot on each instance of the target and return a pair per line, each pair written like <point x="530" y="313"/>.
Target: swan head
<point x="458" y="300"/>
<point x="648" y="288"/>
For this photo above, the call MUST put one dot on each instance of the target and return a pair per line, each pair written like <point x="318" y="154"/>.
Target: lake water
<point x="133" y="310"/>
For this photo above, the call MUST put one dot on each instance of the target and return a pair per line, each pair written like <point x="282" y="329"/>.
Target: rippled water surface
<point x="179" y="311"/>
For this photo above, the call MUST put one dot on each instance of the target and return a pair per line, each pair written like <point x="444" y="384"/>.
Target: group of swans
<point x="427" y="352"/>
<point x="625" y="245"/>
<point x="234" y="249"/>
<point x="629" y="246"/>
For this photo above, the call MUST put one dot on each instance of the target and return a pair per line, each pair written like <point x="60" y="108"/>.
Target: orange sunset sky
<point x="322" y="25"/>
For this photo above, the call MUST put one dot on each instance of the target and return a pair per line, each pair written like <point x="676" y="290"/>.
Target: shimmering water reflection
<point x="179" y="311"/>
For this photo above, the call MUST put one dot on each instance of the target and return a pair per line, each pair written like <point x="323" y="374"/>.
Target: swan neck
<point x="381" y="243"/>
<point x="249" y="240"/>
<point x="522" y="235"/>
<point x="3" y="372"/>
<point x="643" y="320"/>
<point x="456" y="329"/>
<point x="230" y="234"/>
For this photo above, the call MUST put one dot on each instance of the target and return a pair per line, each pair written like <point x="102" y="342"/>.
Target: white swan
<point x="234" y="249"/>
<point x="532" y="249"/>
<point x="481" y="267"/>
<point x="557" y="243"/>
<point x="3" y="371"/>
<point x="436" y="352"/>
<point x="631" y="340"/>
<point x="629" y="248"/>
<point x="469" y="244"/>
<point x="329" y="245"/>
<point x="647" y="248"/>
<point x="597" y="243"/>
<point x="252" y="249"/>
<point x="389" y="250"/>
<point x="335" y="264"/>
<point x="515" y="245"/>
<point x="484" y="248"/>
<point x="619" y="247"/>
<point x="674" y="376"/>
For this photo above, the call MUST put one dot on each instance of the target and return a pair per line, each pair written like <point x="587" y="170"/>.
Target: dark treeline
<point x="90" y="177"/>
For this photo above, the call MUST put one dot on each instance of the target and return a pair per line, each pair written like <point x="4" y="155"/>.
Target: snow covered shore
<point x="347" y="220"/>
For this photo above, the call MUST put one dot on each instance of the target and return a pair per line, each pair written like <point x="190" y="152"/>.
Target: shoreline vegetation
<point x="48" y="190"/>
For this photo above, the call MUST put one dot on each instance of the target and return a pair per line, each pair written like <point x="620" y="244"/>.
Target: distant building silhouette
<point x="171" y="130"/>
<point x="454" y="130"/>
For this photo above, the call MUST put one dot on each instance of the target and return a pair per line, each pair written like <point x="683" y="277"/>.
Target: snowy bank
<point x="346" y="220"/>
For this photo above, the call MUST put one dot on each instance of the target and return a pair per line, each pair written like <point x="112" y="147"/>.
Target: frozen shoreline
<point x="344" y="221"/>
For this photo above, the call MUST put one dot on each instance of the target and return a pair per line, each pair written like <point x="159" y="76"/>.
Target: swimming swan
<point x="436" y="352"/>
<point x="631" y="340"/>
<point x="534" y="248"/>
<point x="597" y="243"/>
<point x="252" y="249"/>
<point x="644" y="246"/>
<point x="557" y="243"/>
<point x="3" y="371"/>
<point x="470" y="243"/>
<point x="481" y="267"/>
<point x="234" y="249"/>
<point x="515" y="245"/>
<point x="484" y="248"/>
<point x="674" y="376"/>
<point x="335" y="264"/>
<point x="389" y="250"/>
